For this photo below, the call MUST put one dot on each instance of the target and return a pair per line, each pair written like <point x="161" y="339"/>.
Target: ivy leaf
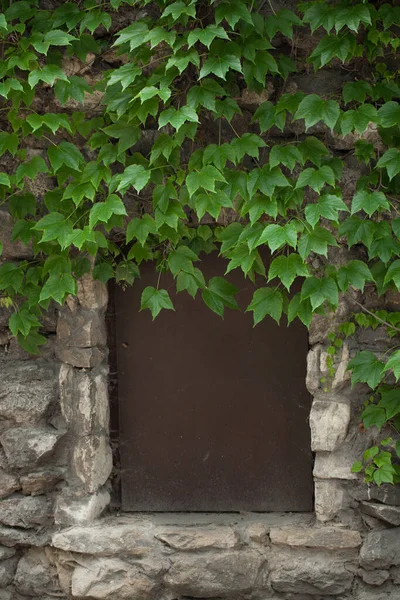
<point x="177" y="117"/>
<point x="328" y="206"/>
<point x="204" y="94"/>
<point x="182" y="60"/>
<point x="385" y="474"/>
<point x="30" y="169"/>
<point x="5" y="180"/>
<point x="288" y="156"/>
<point x="316" y="241"/>
<point x="314" y="109"/>
<point x="358" y="119"/>
<point x="211" y="203"/>
<point x="391" y="161"/>
<point x="205" y="179"/>
<point x="103" y="272"/>
<point x="182" y="259"/>
<point x="232" y="12"/>
<point x="373" y="415"/>
<point x="66" y="154"/>
<point x="219" y="294"/>
<point x="155" y="300"/>
<point x="102" y="211"/>
<point x="356" y="90"/>
<point x="134" y="176"/>
<point x="287" y="268"/>
<point x="352" y="16"/>
<point x="320" y="290"/>
<point x="206" y="35"/>
<point x="48" y="74"/>
<point x="266" y="301"/>
<point x="178" y="9"/>
<point x="357" y="231"/>
<point x="58" y="287"/>
<point x="301" y="309"/>
<point x="393" y="274"/>
<point x="277" y="236"/>
<point x="135" y="35"/>
<point x="190" y="282"/>
<point x="248" y="143"/>
<point x="140" y="228"/>
<point x="316" y="178"/>
<point x="23" y="321"/>
<point x="390" y="399"/>
<point x="369" y="202"/>
<point x="354" y="273"/>
<point x="389" y="114"/>
<point x="54" y="227"/>
<point x="313" y="150"/>
<point x="332" y="46"/>
<point x="366" y="368"/>
<point x="265" y="115"/>
<point x="57" y="37"/>
<point x="220" y="65"/>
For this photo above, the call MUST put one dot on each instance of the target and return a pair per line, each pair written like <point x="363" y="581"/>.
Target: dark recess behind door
<point x="213" y="413"/>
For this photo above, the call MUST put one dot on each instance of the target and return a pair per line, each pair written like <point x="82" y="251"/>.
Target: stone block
<point x="376" y="577"/>
<point x="80" y="511"/>
<point x="27" y="389"/>
<point x="198" y="538"/>
<point x="84" y="399"/>
<point x="386" y="592"/>
<point x="36" y="575"/>
<point x="212" y="575"/>
<point x="106" y="578"/>
<point x="330" y="499"/>
<point x="92" y="294"/>
<point x="27" y="447"/>
<point x="12" y="249"/>
<point x="342" y="377"/>
<point x="41" y="482"/>
<point x="328" y="538"/>
<point x="384" y="512"/>
<point x="92" y="461"/>
<point x="313" y="371"/>
<point x="395" y="574"/>
<point x="6" y="552"/>
<point x="108" y="538"/>
<point x="16" y="536"/>
<point x="311" y="572"/>
<point x="385" y="494"/>
<point x="329" y="422"/>
<point x="8" y="484"/>
<point x="381" y="549"/>
<point x="81" y="328"/>
<point x="25" y="511"/>
<point x="7" y="571"/>
<point x="84" y="358"/>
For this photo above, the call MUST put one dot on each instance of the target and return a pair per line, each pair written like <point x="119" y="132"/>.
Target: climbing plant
<point x="168" y="166"/>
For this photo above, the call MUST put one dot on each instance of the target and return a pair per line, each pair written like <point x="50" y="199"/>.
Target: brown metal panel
<point x="213" y="413"/>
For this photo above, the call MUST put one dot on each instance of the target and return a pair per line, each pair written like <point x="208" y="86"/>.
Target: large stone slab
<point x="28" y="447"/>
<point x="328" y="538"/>
<point x="213" y="575"/>
<point x="384" y="512"/>
<point x="198" y="538"/>
<point x="381" y="549"/>
<point x="311" y="572"/>
<point x="106" y="578"/>
<point x="329" y="422"/>
<point x="27" y="388"/>
<point x="25" y="511"/>
<point x="36" y="575"/>
<point x="102" y="539"/>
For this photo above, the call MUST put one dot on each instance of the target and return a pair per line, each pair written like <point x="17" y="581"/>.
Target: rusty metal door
<point x="213" y="413"/>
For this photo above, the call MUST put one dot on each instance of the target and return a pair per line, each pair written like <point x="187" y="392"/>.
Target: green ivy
<point x="177" y="71"/>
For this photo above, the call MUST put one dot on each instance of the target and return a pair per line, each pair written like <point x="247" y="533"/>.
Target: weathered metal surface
<point x="213" y="413"/>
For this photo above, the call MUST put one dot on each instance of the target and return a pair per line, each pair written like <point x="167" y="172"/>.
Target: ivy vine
<point x="151" y="174"/>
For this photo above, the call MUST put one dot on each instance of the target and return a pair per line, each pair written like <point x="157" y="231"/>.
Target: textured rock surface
<point x="381" y="549"/>
<point x="70" y="510"/>
<point x="328" y="538"/>
<point x="7" y="570"/>
<point x="27" y="447"/>
<point x="24" y="511"/>
<point x="389" y="514"/>
<point x="329" y="422"/>
<point x="36" y="575"/>
<point x="213" y="575"/>
<point x="110" y="578"/>
<point x="196" y="538"/>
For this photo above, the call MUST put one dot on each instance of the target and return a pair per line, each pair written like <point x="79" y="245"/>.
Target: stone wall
<point x="60" y="538"/>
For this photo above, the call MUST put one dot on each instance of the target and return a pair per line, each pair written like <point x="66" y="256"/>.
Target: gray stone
<point x="81" y="328"/>
<point x="6" y="552"/>
<point x="198" y="538"/>
<point x="311" y="572"/>
<point x="26" y="390"/>
<point x="93" y="461"/>
<point x="395" y="574"/>
<point x="108" y="538"/>
<point x="36" y="575"/>
<point x="92" y="294"/>
<point x="12" y="249"/>
<point x="41" y="482"/>
<point x="84" y="399"/>
<point x="386" y="592"/>
<point x="14" y="536"/>
<point x="330" y="499"/>
<point x="210" y="575"/>
<point x="381" y="549"/>
<point x="110" y="578"/>
<point x="24" y="511"/>
<point x="7" y="594"/>
<point x="329" y="422"/>
<point x="386" y="494"/>
<point x="80" y="511"/>
<point x="375" y="577"/>
<point x="7" y="570"/>
<point x="313" y="371"/>
<point x="85" y="358"/>
<point x="8" y="484"/>
<point x="27" y="447"/>
<point x="384" y="512"/>
<point x="328" y="538"/>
